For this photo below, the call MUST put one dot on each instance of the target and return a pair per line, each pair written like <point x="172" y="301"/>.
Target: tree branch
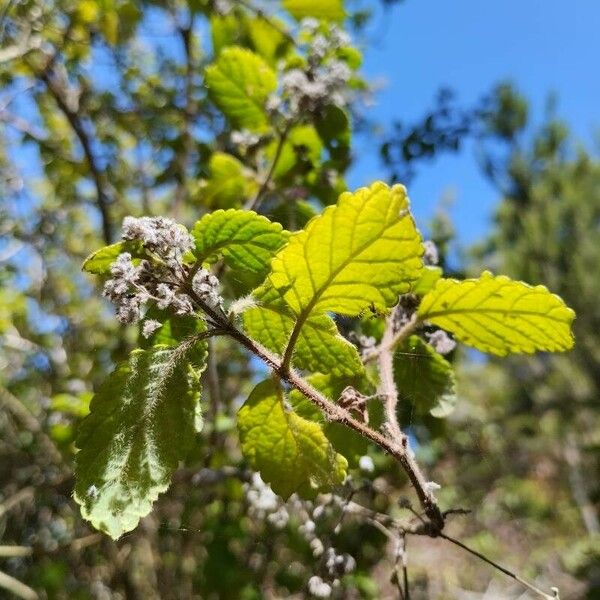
<point x="98" y="175"/>
<point x="398" y="450"/>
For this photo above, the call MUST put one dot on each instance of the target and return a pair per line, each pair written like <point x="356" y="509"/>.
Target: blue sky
<point x="541" y="46"/>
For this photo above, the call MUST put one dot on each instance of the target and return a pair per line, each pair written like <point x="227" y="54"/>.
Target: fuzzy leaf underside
<point x="291" y="453"/>
<point x="498" y="315"/>
<point x="128" y="450"/>
<point x="424" y="378"/>
<point x="247" y="241"/>
<point x="361" y="253"/>
<point x="320" y="347"/>
<point x="239" y="83"/>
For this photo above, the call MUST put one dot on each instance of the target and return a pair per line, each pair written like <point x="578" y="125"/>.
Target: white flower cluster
<point x="312" y="89"/>
<point x="319" y="588"/>
<point x="132" y="286"/>
<point x="162" y="236"/>
<point x="222" y="7"/>
<point x="431" y="255"/>
<point x="206" y="287"/>
<point x="244" y="138"/>
<point x="441" y="342"/>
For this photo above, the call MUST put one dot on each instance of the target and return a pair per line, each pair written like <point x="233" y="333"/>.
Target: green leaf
<point x="247" y="241"/>
<point x="347" y="442"/>
<point x="320" y="347"/>
<point x="499" y="315"/>
<point x="267" y="40"/>
<point x="361" y="253"/>
<point x="427" y="280"/>
<point x="227" y="184"/>
<point x="424" y="377"/>
<point x="142" y="422"/>
<point x="175" y="328"/>
<point x="302" y="145"/>
<point x="328" y="10"/>
<point x="99" y="262"/>
<point x="291" y="453"/>
<point x="239" y="83"/>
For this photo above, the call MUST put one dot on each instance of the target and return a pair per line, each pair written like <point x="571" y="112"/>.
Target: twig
<point x="16" y="551"/>
<point x="394" y="340"/>
<point x="186" y="34"/>
<point x="500" y="568"/>
<point x="24" y="494"/>
<point x="74" y="119"/>
<point x="254" y="203"/>
<point x="16" y="407"/>
<point x="337" y="413"/>
<point x="387" y="386"/>
<point x="267" y="19"/>
<point x="16" y="587"/>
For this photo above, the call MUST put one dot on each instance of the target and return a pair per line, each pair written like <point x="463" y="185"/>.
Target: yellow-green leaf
<point x="227" y="185"/>
<point x="246" y="240"/>
<point x="320" y="347"/>
<point x="360" y="253"/>
<point x="100" y="261"/>
<point x="239" y="83"/>
<point x="498" y="315"/>
<point x="291" y="453"/>
<point x="328" y="10"/>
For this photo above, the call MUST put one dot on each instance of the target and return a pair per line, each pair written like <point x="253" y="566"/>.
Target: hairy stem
<point x="397" y="449"/>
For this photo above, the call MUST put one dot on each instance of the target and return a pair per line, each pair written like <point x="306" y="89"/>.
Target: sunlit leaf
<point x="498" y="315"/>
<point x="291" y="453"/>
<point x="247" y="241"/>
<point x="239" y="83"/>
<point x="361" y="253"/>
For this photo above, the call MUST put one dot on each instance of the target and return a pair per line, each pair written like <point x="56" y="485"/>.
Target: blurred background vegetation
<point x="103" y="113"/>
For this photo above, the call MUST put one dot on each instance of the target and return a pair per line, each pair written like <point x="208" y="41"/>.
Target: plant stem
<point x="398" y="450"/>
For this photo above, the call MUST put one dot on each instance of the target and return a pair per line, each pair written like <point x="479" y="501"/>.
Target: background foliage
<point x="102" y="119"/>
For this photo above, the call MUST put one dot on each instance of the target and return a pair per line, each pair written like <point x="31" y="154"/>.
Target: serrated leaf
<point x="291" y="453"/>
<point x="361" y="253"/>
<point x="247" y="241"/>
<point x="239" y="83"/>
<point x="328" y="10"/>
<point x="142" y="422"/>
<point x="498" y="315"/>
<point x="320" y="347"/>
<point x="425" y="378"/>
<point x="99" y="262"/>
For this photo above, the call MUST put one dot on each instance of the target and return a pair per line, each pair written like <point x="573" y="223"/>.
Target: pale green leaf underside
<point x="320" y="347"/>
<point x="424" y="378"/>
<point x="291" y="453"/>
<point x="99" y="262"/>
<point x="141" y="424"/>
<point x="498" y="315"/>
<point x="239" y="83"/>
<point x="328" y="10"/>
<point x="246" y="240"/>
<point x="362" y="252"/>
